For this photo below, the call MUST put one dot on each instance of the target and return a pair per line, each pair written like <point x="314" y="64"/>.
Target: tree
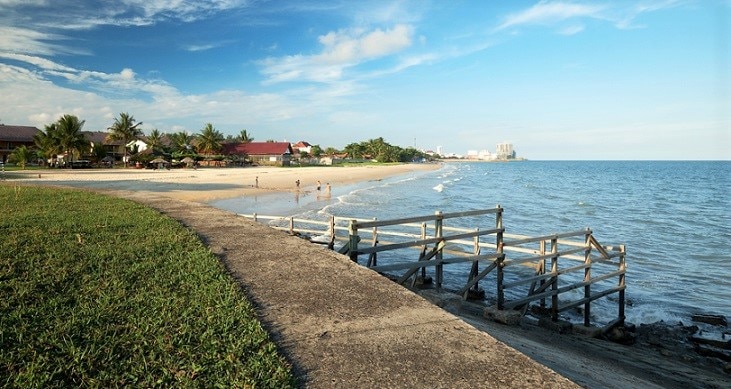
<point x="70" y="137"/>
<point x="209" y="140"/>
<point x="126" y="130"/>
<point x="244" y="137"/>
<point x="331" y="151"/>
<point x="47" y="142"/>
<point x="21" y="156"/>
<point x="180" y="143"/>
<point x="355" y="150"/>
<point x="316" y="151"/>
<point x="154" y="140"/>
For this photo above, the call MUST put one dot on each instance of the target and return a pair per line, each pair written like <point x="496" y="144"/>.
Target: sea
<point x="673" y="216"/>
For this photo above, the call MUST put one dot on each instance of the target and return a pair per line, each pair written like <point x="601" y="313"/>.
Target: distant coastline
<point x="482" y="160"/>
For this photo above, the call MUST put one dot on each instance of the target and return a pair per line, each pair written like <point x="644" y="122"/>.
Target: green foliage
<point x="125" y="129"/>
<point x="382" y="151"/>
<point x="69" y="136"/>
<point x="180" y="143"/>
<point x="104" y="292"/>
<point x="21" y="156"/>
<point x="209" y="140"/>
<point x="245" y="137"/>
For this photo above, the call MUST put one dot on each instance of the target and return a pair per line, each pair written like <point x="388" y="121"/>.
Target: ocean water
<point x="673" y="216"/>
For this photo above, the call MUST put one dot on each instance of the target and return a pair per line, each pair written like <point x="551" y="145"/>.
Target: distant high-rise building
<point x="440" y="151"/>
<point x="505" y="151"/>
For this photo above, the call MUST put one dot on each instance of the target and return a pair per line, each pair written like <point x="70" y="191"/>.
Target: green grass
<point x="103" y="292"/>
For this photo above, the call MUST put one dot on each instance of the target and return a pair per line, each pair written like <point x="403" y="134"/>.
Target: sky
<point x="560" y="80"/>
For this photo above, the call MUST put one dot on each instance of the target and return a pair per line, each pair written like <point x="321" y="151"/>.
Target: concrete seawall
<point x="342" y="325"/>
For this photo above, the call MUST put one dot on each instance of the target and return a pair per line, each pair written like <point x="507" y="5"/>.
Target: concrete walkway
<point x="342" y="325"/>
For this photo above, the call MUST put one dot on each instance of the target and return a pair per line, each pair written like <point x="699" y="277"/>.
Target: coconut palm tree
<point x="70" y="137"/>
<point x="244" y="137"/>
<point x="209" y="140"/>
<point x="126" y="130"/>
<point x="154" y="140"/>
<point x="180" y="143"/>
<point x="47" y="142"/>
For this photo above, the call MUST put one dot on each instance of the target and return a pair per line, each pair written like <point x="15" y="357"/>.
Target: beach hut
<point x="188" y="161"/>
<point x="160" y="162"/>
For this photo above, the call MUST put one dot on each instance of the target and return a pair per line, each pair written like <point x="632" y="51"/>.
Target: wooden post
<point x="623" y="268"/>
<point x="475" y="264"/>
<point x="423" y="252"/>
<point x="501" y="259"/>
<point x="331" y="245"/>
<point x="587" y="278"/>
<point x="440" y="254"/>
<point x="542" y="271"/>
<point x="291" y="225"/>
<point x="353" y="239"/>
<point x="373" y="257"/>
<point x="554" y="279"/>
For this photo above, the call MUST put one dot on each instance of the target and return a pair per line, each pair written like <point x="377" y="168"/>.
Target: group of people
<point x="328" y="188"/>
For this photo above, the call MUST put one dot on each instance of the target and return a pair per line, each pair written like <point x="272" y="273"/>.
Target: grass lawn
<point x="102" y="292"/>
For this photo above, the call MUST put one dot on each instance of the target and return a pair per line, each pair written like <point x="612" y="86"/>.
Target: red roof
<point x="258" y="148"/>
<point x="17" y="133"/>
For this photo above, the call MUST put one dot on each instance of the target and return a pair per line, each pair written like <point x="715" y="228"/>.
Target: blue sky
<point x="558" y="79"/>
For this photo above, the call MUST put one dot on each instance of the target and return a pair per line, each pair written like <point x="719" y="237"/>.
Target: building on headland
<point x="503" y="152"/>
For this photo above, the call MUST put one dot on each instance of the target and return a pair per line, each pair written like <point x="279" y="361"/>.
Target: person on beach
<point x="318" y="185"/>
<point x="256" y="183"/>
<point x="327" y="188"/>
<point x="297" y="183"/>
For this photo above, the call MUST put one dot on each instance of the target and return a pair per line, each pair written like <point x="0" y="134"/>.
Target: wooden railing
<point x="558" y="272"/>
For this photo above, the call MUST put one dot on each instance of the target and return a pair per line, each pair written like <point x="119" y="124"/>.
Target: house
<point x="113" y="148"/>
<point x="12" y="137"/>
<point x="302" y="147"/>
<point x="262" y="153"/>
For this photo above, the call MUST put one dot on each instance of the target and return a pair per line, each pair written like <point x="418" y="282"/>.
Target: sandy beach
<point x="207" y="184"/>
<point x="661" y="356"/>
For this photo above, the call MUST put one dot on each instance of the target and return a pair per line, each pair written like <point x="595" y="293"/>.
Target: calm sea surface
<point x="674" y="217"/>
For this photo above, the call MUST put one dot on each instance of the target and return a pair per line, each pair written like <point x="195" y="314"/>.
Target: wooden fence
<point x="553" y="273"/>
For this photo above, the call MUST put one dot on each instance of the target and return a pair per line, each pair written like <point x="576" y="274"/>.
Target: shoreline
<point x="204" y="185"/>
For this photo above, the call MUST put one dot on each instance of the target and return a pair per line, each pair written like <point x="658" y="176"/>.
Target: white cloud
<point x="549" y="13"/>
<point x="571" y="30"/>
<point x="341" y="50"/>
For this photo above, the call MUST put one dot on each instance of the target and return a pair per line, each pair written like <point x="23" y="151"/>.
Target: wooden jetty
<point x="550" y="273"/>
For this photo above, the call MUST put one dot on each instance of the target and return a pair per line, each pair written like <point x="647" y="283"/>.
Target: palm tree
<point x="355" y="150"/>
<point x="209" y="140"/>
<point x="245" y="137"/>
<point x="126" y="130"/>
<point x="154" y="140"/>
<point x="21" y="156"/>
<point x="180" y="142"/>
<point x="70" y="137"/>
<point x="47" y="142"/>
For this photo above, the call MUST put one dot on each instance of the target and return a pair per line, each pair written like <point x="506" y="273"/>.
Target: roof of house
<point x="258" y="148"/>
<point x="101" y="137"/>
<point x="301" y="144"/>
<point x="17" y="133"/>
